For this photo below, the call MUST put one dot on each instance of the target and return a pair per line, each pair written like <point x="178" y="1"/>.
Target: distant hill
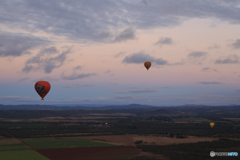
<point x="53" y="107"/>
<point x="156" y="109"/>
<point x="130" y="106"/>
<point x="161" y="110"/>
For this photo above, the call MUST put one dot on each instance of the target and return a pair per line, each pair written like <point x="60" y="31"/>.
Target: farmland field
<point x="117" y="133"/>
<point x="167" y="140"/>
<point x="11" y="149"/>
<point x="196" y="151"/>
<point x="233" y="119"/>
<point x="9" y="141"/>
<point x="63" y="143"/>
<point x="91" y="153"/>
<point x="198" y="119"/>
<point x="125" y="140"/>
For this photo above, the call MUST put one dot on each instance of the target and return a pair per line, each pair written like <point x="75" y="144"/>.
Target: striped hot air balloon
<point x="147" y="65"/>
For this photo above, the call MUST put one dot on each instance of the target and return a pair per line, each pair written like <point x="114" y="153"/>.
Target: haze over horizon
<point x="92" y="52"/>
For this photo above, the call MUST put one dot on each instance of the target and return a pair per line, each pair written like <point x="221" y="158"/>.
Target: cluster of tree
<point x="200" y="150"/>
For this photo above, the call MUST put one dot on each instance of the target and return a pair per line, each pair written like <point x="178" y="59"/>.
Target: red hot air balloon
<point x="42" y="88"/>
<point x="147" y="65"/>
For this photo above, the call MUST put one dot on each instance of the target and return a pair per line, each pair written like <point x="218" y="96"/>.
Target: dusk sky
<point x="93" y="51"/>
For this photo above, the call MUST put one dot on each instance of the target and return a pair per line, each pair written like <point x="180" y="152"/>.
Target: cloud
<point x="182" y="62"/>
<point x="119" y="54"/>
<point x="28" y="68"/>
<point x="141" y="57"/>
<point x="147" y="90"/>
<point x="18" y="98"/>
<point x="93" y="99"/>
<point x="127" y="34"/>
<point x="215" y="46"/>
<point x="210" y="82"/>
<point x="22" y="79"/>
<point x="125" y="97"/>
<point x="238" y="90"/>
<point x="231" y="59"/>
<point x="43" y="60"/>
<point x="160" y="61"/>
<point x="167" y="87"/>
<point x="78" y="86"/>
<point x="46" y="78"/>
<point x="197" y="54"/>
<point x="197" y="57"/>
<point x="17" y="45"/>
<point x="236" y="45"/>
<point x="48" y="50"/>
<point x="99" y="20"/>
<point x="208" y="69"/>
<point x="138" y="58"/>
<point x="164" y="41"/>
<point x="108" y="71"/>
<point x="77" y="68"/>
<point x="75" y="76"/>
<point x="144" y="2"/>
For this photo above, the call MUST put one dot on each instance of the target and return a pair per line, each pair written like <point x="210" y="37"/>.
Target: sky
<point x="93" y="51"/>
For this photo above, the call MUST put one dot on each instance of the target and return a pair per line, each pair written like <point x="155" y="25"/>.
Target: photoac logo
<point x="212" y="153"/>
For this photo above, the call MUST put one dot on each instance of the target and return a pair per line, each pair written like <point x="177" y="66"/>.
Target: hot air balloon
<point x="147" y="65"/>
<point x="42" y="88"/>
<point x="212" y="125"/>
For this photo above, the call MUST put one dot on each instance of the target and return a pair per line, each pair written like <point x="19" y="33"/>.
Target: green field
<point x="233" y="119"/>
<point x="9" y="141"/>
<point x="63" y="143"/>
<point x="18" y="151"/>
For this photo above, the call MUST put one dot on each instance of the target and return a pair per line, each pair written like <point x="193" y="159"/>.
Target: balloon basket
<point x="42" y="99"/>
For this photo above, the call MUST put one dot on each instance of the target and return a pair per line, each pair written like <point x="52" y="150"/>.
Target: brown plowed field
<point x="90" y="153"/>
<point x="168" y="141"/>
<point x="125" y="140"/>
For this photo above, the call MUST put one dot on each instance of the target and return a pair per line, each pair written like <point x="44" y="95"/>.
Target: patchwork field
<point x="62" y="143"/>
<point x="191" y="120"/>
<point x="126" y="140"/>
<point x="118" y="133"/>
<point x="167" y="140"/>
<point x="12" y="149"/>
<point x="75" y="148"/>
<point x="233" y="119"/>
<point x="91" y="153"/>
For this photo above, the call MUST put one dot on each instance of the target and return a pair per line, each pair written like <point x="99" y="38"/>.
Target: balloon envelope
<point x="147" y="65"/>
<point x="212" y="125"/>
<point x="42" y="88"/>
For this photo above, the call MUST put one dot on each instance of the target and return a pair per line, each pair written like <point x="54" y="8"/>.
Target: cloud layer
<point x="147" y="90"/>
<point x="44" y="60"/>
<point x="100" y="20"/>
<point x="127" y="34"/>
<point x="203" y="82"/>
<point x="17" y="45"/>
<point x="75" y="76"/>
<point x="164" y="41"/>
<point x="231" y="59"/>
<point x="236" y="44"/>
<point x="141" y="57"/>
